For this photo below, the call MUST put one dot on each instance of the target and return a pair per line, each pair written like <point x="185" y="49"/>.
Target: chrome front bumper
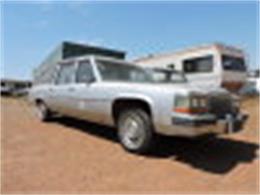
<point x="196" y="126"/>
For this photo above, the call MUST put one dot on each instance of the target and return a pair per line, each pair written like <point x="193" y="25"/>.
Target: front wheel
<point x="135" y="130"/>
<point x="42" y="112"/>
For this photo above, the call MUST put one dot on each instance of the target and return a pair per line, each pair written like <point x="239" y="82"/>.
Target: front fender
<point x="135" y="96"/>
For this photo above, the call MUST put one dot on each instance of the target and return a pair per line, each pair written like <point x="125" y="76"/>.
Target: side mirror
<point x="86" y="79"/>
<point x="92" y="80"/>
<point x="171" y="66"/>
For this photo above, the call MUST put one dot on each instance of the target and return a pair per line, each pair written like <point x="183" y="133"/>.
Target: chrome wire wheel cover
<point x="40" y="111"/>
<point x="132" y="132"/>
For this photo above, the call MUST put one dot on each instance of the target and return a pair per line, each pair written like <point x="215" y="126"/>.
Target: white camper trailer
<point x="212" y="65"/>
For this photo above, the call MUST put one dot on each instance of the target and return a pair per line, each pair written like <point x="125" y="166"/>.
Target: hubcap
<point x="132" y="133"/>
<point x="40" y="111"/>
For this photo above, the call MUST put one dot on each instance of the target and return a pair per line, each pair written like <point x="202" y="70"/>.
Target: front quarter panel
<point x="160" y="102"/>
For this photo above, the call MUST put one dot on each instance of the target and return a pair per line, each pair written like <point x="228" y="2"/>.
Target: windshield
<point x="233" y="63"/>
<point x="116" y="71"/>
<point x="166" y="76"/>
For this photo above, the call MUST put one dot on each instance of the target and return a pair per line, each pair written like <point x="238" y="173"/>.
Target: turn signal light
<point x="191" y="110"/>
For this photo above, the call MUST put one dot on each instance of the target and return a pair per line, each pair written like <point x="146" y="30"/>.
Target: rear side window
<point x="233" y="63"/>
<point x="198" y="65"/>
<point x="85" y="72"/>
<point x="66" y="74"/>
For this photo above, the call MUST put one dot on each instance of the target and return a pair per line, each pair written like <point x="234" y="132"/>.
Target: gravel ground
<point x="73" y="156"/>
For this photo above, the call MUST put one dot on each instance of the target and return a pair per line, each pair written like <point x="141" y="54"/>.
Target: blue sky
<point x="31" y="30"/>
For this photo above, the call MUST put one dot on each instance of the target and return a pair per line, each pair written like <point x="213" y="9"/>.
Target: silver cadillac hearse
<point x="120" y="94"/>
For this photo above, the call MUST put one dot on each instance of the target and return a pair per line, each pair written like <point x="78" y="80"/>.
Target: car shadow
<point x="101" y="131"/>
<point x="214" y="154"/>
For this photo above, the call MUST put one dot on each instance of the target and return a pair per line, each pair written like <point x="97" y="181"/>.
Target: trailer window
<point x="66" y="74"/>
<point x="233" y="63"/>
<point x="198" y="65"/>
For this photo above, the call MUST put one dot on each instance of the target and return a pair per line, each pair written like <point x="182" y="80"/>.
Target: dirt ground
<point x="73" y="156"/>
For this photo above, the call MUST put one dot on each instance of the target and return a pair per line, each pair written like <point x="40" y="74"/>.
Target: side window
<point x="85" y="72"/>
<point x="66" y="74"/>
<point x="198" y="65"/>
<point x="233" y="63"/>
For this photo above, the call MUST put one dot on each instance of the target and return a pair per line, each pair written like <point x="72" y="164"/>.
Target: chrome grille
<point x="220" y="105"/>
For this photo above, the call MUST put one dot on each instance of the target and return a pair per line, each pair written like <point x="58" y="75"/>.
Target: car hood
<point x="203" y="88"/>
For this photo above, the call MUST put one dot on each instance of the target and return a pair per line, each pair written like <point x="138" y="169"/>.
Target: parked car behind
<point x="251" y="87"/>
<point x="121" y="94"/>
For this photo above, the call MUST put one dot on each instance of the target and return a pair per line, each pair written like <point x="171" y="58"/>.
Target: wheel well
<point x="123" y="104"/>
<point x="38" y="101"/>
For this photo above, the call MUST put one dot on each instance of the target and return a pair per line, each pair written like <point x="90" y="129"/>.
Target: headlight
<point x="191" y="105"/>
<point x="199" y="102"/>
<point x="182" y="102"/>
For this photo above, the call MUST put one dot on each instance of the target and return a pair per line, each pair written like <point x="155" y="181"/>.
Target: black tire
<point x="135" y="130"/>
<point x="42" y="111"/>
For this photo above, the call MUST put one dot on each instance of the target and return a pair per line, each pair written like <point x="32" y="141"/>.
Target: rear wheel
<point x="42" y="111"/>
<point x="135" y="130"/>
